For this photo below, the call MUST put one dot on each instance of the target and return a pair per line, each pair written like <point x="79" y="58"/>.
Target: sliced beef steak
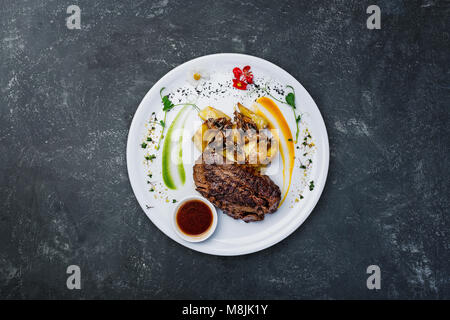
<point x="239" y="190"/>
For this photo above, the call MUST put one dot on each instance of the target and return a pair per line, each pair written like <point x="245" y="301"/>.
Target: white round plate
<point x="232" y="237"/>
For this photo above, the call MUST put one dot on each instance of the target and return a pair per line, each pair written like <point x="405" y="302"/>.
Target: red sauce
<point x="194" y="217"/>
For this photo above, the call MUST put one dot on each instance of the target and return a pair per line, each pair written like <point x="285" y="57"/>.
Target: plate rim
<point x="248" y="249"/>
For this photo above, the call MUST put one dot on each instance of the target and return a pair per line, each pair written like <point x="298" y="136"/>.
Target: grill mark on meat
<point x="239" y="190"/>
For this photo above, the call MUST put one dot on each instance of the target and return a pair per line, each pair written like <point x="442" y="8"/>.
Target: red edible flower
<point x="248" y="74"/>
<point x="242" y="77"/>
<point x="238" y="84"/>
<point x="237" y="72"/>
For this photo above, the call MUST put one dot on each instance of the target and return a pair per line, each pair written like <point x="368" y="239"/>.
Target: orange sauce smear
<point x="270" y="106"/>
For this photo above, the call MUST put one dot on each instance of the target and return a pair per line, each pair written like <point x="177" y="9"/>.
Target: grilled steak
<point x="239" y="190"/>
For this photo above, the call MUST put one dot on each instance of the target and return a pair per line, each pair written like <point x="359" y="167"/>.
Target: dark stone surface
<point x="68" y="97"/>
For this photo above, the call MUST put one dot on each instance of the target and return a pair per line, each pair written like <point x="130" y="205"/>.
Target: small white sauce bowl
<point x="195" y="238"/>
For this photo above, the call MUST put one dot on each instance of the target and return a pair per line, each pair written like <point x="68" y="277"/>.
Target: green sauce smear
<point x="169" y="148"/>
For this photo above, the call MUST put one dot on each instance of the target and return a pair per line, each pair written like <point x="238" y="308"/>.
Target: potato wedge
<point x="266" y="153"/>
<point x="210" y="112"/>
<point x="199" y="138"/>
<point x="251" y="152"/>
<point x="261" y="122"/>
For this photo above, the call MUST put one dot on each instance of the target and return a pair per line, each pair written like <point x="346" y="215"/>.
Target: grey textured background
<point x="68" y="96"/>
